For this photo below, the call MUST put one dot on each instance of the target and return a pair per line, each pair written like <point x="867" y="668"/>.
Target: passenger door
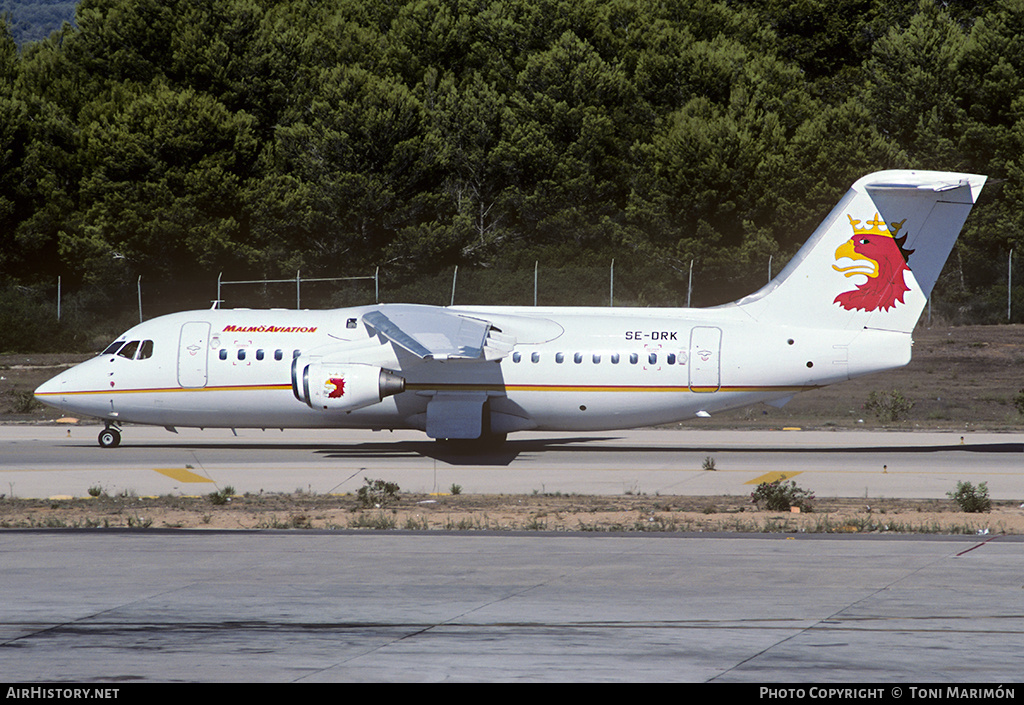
<point x="193" y="346"/>
<point x="705" y="359"/>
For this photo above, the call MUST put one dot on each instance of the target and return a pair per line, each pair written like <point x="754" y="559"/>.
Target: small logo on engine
<point x="335" y="387"/>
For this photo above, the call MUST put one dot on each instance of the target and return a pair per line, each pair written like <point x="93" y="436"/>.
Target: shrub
<point x="1018" y="401"/>
<point x="971" y="499"/>
<point x="779" y="496"/>
<point x="220" y="497"/>
<point x="377" y="493"/>
<point x="22" y="401"/>
<point x="889" y="407"/>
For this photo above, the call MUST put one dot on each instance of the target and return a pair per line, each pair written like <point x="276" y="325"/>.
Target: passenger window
<point x="241" y="353"/>
<point x="615" y="358"/>
<point x="535" y="357"/>
<point x="295" y="353"/>
<point x="279" y="354"/>
<point x="577" y="358"/>
<point x="653" y="358"/>
<point x="350" y="323"/>
<point x="224" y="354"/>
<point x="146" y="351"/>
<point x="128" y="350"/>
<point x="516" y="357"/>
<point x="633" y="358"/>
<point x="259" y="354"/>
<point x="671" y="358"/>
<point x="559" y="358"/>
<point x="597" y="359"/>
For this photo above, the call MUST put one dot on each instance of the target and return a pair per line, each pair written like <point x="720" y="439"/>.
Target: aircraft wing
<point x="438" y="334"/>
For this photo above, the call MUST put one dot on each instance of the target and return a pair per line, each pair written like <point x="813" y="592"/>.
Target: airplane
<point x="844" y="306"/>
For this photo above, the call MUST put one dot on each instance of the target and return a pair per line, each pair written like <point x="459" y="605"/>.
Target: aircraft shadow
<point x="456" y="453"/>
<point x="975" y="448"/>
<point x="508" y="452"/>
<point x="446" y="452"/>
<point x="511" y="450"/>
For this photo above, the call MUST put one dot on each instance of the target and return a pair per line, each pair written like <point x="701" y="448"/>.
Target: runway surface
<point x="163" y="605"/>
<point x="48" y="461"/>
<point x="281" y="607"/>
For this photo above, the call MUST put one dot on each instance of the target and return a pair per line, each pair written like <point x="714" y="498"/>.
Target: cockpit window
<point x="135" y="350"/>
<point x="128" y="350"/>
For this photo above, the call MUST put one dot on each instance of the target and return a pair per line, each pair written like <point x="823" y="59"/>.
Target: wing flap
<point x="437" y="334"/>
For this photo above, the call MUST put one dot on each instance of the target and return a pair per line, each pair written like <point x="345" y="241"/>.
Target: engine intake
<point x="344" y="387"/>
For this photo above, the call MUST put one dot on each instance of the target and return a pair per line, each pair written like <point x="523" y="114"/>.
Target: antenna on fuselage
<point x="216" y="304"/>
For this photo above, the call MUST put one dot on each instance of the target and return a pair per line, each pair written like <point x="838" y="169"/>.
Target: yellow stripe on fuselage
<point x="423" y="387"/>
<point x="163" y="390"/>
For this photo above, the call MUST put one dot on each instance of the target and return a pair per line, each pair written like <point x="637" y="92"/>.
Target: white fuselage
<point x="569" y="369"/>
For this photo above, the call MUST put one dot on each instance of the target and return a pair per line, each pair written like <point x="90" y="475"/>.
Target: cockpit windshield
<point x="129" y="350"/>
<point x="134" y="350"/>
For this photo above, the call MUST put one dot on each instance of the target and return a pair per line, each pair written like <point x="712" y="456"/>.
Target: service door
<point x="192" y="349"/>
<point x="705" y="359"/>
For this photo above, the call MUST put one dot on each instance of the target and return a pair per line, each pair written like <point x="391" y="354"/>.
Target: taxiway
<point x="122" y="607"/>
<point x="48" y="461"/>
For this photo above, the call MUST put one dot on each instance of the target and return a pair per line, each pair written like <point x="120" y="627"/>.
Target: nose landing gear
<point x="110" y="437"/>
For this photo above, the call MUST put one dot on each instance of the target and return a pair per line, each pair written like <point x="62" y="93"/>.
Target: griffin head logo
<point x="877" y="254"/>
<point x="335" y="387"/>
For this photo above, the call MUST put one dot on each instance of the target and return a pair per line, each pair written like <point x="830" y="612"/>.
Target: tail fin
<point x="874" y="260"/>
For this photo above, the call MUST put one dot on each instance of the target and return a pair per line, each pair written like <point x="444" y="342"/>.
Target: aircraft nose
<point x="49" y="392"/>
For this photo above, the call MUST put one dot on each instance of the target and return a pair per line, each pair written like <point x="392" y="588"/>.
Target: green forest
<point x="32" y="20"/>
<point x="179" y="140"/>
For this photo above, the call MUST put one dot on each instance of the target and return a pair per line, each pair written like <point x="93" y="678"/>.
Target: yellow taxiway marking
<point x="182" y="475"/>
<point x="772" y="477"/>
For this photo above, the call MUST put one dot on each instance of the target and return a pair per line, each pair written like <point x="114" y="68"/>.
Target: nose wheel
<point x="110" y="437"/>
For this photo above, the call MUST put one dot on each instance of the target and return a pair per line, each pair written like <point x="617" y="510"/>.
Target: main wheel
<point x="109" y="438"/>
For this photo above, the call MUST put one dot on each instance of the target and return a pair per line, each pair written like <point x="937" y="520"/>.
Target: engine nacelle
<point x="346" y="386"/>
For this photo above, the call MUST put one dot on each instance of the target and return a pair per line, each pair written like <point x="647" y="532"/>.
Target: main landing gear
<point x="110" y="437"/>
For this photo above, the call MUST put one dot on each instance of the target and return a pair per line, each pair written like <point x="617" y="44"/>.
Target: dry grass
<point x="628" y="513"/>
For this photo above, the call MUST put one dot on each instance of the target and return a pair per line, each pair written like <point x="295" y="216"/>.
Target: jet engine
<point x="344" y="386"/>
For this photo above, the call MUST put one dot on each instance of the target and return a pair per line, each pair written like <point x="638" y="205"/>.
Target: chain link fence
<point x="86" y="317"/>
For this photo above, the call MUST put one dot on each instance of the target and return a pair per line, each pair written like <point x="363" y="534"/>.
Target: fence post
<point x="611" y="284"/>
<point x="138" y="284"/>
<point x="689" y="286"/>
<point x="455" y="275"/>
<point x="58" y="297"/>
